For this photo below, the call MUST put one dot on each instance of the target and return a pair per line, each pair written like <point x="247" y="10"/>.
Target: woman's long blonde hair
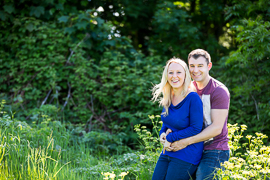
<point x="165" y="88"/>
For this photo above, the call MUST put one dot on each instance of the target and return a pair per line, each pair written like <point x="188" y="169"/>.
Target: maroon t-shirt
<point x="215" y="95"/>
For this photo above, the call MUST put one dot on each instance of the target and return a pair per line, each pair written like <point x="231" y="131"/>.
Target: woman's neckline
<point x="182" y="99"/>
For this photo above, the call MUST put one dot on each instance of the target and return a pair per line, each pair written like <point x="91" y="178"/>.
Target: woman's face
<point x="176" y="75"/>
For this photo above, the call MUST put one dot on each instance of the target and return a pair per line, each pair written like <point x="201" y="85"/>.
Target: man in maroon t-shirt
<point x="216" y="100"/>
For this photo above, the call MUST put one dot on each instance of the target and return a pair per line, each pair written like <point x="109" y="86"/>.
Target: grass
<point x="48" y="150"/>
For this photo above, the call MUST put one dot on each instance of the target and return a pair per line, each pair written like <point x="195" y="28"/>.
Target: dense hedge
<point x="95" y="69"/>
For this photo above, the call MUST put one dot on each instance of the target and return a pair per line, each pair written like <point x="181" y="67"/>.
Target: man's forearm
<point x="209" y="132"/>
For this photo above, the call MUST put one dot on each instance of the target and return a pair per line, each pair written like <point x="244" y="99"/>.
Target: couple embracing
<point x="194" y="131"/>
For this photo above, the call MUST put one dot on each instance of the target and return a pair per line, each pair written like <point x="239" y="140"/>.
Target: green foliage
<point x="182" y="26"/>
<point x="249" y="65"/>
<point x="95" y="61"/>
<point x="34" y="153"/>
<point x="50" y="69"/>
<point x="253" y="163"/>
<point x="150" y="140"/>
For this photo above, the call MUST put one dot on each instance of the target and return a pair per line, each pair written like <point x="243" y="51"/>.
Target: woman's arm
<point x="163" y="129"/>
<point x="196" y="121"/>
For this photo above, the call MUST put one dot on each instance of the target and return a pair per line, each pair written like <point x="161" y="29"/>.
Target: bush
<point x="249" y="159"/>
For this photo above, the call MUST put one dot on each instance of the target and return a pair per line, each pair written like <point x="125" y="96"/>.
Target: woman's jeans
<point x="169" y="168"/>
<point x="211" y="159"/>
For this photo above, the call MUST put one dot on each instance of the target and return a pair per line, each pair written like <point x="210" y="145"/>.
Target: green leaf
<point x="37" y="11"/>
<point x="63" y="19"/>
<point x="2" y="15"/>
<point x="84" y="3"/>
<point x="100" y="21"/>
<point x="30" y="27"/>
<point x="20" y="99"/>
<point x="9" y="9"/>
<point x="81" y="25"/>
<point x="69" y="30"/>
<point x="59" y="6"/>
<point x="52" y="11"/>
<point x="110" y="42"/>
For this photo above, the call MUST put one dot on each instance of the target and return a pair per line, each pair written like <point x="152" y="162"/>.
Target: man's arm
<point x="218" y="117"/>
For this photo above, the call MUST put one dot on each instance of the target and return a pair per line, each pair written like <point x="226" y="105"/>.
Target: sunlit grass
<point x="47" y="150"/>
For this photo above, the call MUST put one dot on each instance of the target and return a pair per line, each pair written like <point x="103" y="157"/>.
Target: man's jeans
<point x="170" y="168"/>
<point x="211" y="159"/>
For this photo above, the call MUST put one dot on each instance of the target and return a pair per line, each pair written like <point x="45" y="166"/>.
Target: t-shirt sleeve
<point x="196" y="121"/>
<point x="220" y="98"/>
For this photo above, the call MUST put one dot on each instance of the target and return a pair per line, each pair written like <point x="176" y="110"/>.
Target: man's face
<point x="198" y="68"/>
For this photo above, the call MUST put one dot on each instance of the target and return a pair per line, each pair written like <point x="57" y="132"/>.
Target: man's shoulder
<point x="218" y="87"/>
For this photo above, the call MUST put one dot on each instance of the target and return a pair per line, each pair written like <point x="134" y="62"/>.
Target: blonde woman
<point x="183" y="115"/>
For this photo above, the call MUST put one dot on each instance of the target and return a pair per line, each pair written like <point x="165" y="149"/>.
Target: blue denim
<point x="170" y="168"/>
<point x="211" y="159"/>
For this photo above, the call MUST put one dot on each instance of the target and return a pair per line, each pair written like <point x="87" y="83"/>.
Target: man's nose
<point x="196" y="69"/>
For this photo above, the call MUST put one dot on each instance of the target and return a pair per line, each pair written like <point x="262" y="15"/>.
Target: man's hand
<point x="162" y="138"/>
<point x="167" y="145"/>
<point x="178" y="145"/>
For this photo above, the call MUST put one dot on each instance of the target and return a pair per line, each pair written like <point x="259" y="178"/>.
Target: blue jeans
<point x="211" y="159"/>
<point x="169" y="168"/>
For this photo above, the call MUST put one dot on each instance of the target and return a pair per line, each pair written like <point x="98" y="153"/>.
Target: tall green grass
<point x="49" y="150"/>
<point x="52" y="150"/>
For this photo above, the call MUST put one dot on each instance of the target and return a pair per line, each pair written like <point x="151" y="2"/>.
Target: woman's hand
<point x="162" y="138"/>
<point x="168" y="131"/>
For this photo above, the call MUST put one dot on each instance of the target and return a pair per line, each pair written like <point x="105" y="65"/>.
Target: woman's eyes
<point x="172" y="72"/>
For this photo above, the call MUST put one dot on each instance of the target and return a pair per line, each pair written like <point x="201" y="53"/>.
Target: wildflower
<point x="112" y="176"/>
<point x="142" y="157"/>
<point x="143" y="127"/>
<point x="243" y="127"/>
<point x="233" y="158"/>
<point x="253" y="153"/>
<point x="258" y="134"/>
<point x="124" y="173"/>
<point x="228" y="165"/>
<point x="246" y="172"/>
<point x="249" y="136"/>
<point x="151" y="117"/>
<point x="241" y="160"/>
<point x="257" y="166"/>
<point x="237" y="176"/>
<point x="265" y="171"/>
<point x="264" y="136"/>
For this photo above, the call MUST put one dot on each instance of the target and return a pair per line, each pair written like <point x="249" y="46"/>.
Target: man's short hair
<point x="200" y="53"/>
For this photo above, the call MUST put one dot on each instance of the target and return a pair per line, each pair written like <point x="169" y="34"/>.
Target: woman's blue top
<point x="185" y="120"/>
